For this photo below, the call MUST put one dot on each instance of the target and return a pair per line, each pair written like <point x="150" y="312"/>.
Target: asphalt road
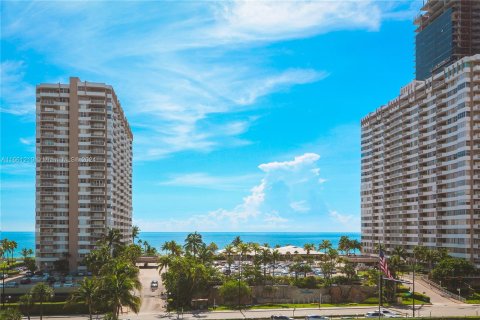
<point x="424" y="311"/>
<point x="151" y="301"/>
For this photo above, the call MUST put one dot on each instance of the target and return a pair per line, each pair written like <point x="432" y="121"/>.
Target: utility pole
<point x="413" y="284"/>
<point x="3" y="285"/>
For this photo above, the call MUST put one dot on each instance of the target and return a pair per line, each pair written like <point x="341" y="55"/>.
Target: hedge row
<point x="55" y="308"/>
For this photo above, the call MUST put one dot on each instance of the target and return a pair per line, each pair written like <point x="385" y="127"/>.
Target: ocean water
<point x="157" y="239"/>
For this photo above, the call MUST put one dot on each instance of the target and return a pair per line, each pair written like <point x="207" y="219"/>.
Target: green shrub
<point x="56" y="308"/>
<point x="402" y="289"/>
<point x="340" y="280"/>
<point x="13" y="272"/>
<point x="371" y="300"/>
<point x="418" y="296"/>
<point x="310" y="282"/>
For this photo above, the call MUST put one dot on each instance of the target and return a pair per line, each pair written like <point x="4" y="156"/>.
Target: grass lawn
<point x="473" y="301"/>
<point x="409" y="301"/>
<point x="296" y="305"/>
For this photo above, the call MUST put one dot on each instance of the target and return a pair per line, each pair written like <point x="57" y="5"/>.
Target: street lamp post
<point x="3" y="286"/>
<point x="413" y="285"/>
<point x="459" y="295"/>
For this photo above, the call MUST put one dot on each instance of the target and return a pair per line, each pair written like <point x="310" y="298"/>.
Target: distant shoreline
<point x="26" y="239"/>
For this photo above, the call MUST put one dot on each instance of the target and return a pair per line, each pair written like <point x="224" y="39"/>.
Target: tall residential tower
<point x="447" y="30"/>
<point x="83" y="171"/>
<point x="421" y="151"/>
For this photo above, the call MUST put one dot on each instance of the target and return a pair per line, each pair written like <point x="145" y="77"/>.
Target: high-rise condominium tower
<point x="421" y="151"/>
<point x="447" y="30"/>
<point x="84" y="170"/>
<point x="421" y="165"/>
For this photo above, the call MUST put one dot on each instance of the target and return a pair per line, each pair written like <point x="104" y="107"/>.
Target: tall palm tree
<point x="275" y="257"/>
<point x="135" y="233"/>
<point x="118" y="287"/>
<point x="41" y="292"/>
<point x="265" y="257"/>
<point x="236" y="241"/>
<point x="113" y="239"/>
<point x="356" y="245"/>
<point x="5" y="247"/>
<point x="26" y="303"/>
<point x="242" y="249"/>
<point x="325" y="245"/>
<point x="344" y="244"/>
<point x="87" y="293"/>
<point x="13" y="246"/>
<point x="400" y="251"/>
<point x="173" y="247"/>
<point x="309" y="247"/>
<point x="26" y="253"/>
<point x="193" y="242"/>
<point x="229" y="251"/>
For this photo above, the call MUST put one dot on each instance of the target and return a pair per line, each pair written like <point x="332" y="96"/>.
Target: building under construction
<point x="447" y="30"/>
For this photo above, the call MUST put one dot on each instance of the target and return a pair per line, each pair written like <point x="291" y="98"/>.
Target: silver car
<point x="316" y="317"/>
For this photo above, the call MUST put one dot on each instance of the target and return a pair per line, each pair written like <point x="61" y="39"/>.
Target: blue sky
<point x="245" y="114"/>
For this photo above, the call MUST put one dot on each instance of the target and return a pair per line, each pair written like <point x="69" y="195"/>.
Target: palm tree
<point x="173" y="247"/>
<point x="399" y="251"/>
<point x="42" y="293"/>
<point x="242" y="249"/>
<point x="113" y="239"/>
<point x="13" y="246"/>
<point x="164" y="262"/>
<point x="356" y="245"/>
<point x="135" y="233"/>
<point x="87" y="293"/>
<point x="118" y="288"/>
<point x="26" y="303"/>
<point x="193" y="242"/>
<point x="229" y="251"/>
<point x="236" y="241"/>
<point x="309" y="247"/>
<point x="344" y="244"/>
<point x="26" y="253"/>
<point x="265" y="258"/>
<point x="325" y="245"/>
<point x="275" y="257"/>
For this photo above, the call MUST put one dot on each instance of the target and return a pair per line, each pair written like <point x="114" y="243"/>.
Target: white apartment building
<point x="421" y="165"/>
<point x="83" y="170"/>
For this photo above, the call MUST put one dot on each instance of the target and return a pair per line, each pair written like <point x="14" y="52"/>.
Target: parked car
<point x="316" y="317"/>
<point x="390" y="314"/>
<point x="25" y="281"/>
<point x="68" y="284"/>
<point x="154" y="284"/>
<point x="29" y="274"/>
<point x="273" y="317"/>
<point x="3" y="276"/>
<point x="373" y="314"/>
<point x="57" y="285"/>
<point x="11" y="284"/>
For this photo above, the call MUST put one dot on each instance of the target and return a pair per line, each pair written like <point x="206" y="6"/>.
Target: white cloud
<point x="300" y="206"/>
<point x="185" y="64"/>
<point x="27" y="141"/>
<point x="271" y="201"/>
<point x="274" y="20"/>
<point x="306" y="159"/>
<point x="342" y="218"/>
<point x="17" y="96"/>
<point x="205" y="180"/>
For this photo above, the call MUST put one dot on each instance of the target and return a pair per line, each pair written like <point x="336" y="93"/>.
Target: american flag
<point x="384" y="265"/>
